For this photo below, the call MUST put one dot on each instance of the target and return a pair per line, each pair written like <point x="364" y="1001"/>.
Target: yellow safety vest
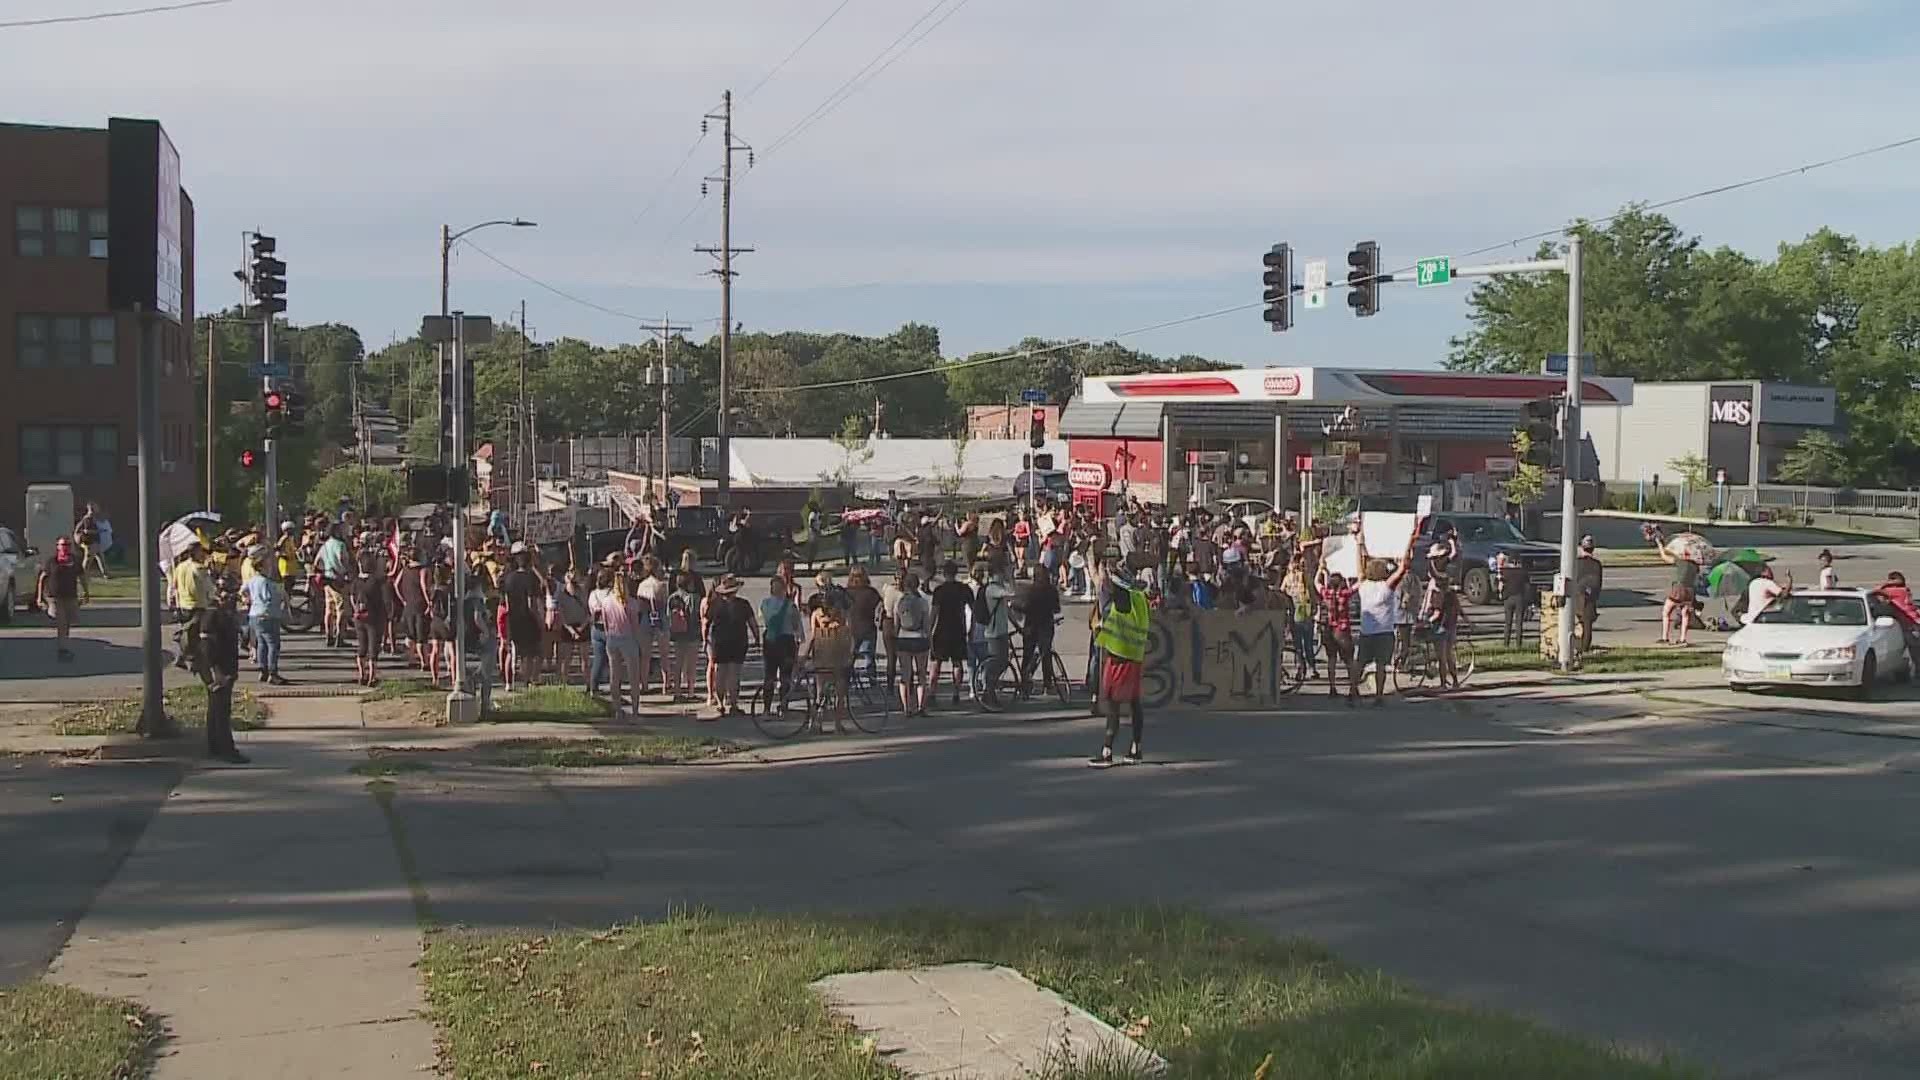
<point x="1124" y="633"/>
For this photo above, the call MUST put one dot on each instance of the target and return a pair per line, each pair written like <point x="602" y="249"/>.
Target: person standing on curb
<point x="1379" y="594"/>
<point x="1123" y="638"/>
<point x="266" y="614"/>
<point x="780" y="631"/>
<point x="61" y="589"/>
<point x="1589" y="577"/>
<point x="219" y="664"/>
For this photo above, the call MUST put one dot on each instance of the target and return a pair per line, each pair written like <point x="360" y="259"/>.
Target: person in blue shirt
<point x="497" y="526"/>
<point x="266" y="613"/>
<point x="780" y="637"/>
<point x="1201" y="591"/>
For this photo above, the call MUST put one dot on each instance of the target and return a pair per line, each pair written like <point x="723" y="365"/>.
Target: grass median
<point x="726" y="996"/>
<point x="58" y="1033"/>
<point x="187" y="705"/>
<point x="553" y="753"/>
<point x="1618" y="660"/>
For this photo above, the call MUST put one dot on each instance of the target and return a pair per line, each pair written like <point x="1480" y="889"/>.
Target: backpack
<point x="677" y="620"/>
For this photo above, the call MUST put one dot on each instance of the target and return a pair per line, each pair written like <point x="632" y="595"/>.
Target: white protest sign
<point x="1387" y="536"/>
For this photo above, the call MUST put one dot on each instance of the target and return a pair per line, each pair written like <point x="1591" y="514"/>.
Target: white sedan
<point x="1831" y="637"/>
<point x="19" y="570"/>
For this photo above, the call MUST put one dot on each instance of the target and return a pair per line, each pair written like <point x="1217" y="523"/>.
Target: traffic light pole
<point x="461" y="708"/>
<point x="270" y="511"/>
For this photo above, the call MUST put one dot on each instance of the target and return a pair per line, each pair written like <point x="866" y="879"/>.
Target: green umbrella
<point x="1747" y="556"/>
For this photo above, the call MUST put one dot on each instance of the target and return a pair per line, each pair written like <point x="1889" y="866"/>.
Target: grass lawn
<point x="559" y="753"/>
<point x="1619" y="660"/>
<point x="187" y="705"/>
<point x="123" y="585"/>
<point x="714" y="996"/>
<point x="550" y="704"/>
<point x="1630" y="557"/>
<point x="52" y="1032"/>
<point x="390" y="689"/>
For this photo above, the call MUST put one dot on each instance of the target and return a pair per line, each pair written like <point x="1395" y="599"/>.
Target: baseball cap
<point x="519" y="548"/>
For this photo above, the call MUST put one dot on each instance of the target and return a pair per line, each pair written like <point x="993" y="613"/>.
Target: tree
<point x="385" y="490"/>
<point x="1528" y="482"/>
<point x="951" y="482"/>
<point x="1692" y="471"/>
<point x="1815" y="459"/>
<point x="852" y="441"/>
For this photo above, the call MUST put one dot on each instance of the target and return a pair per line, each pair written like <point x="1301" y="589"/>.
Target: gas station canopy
<point x="1280" y="385"/>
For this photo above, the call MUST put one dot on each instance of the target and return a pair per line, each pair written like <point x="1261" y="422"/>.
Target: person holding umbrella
<point x="1686" y="577"/>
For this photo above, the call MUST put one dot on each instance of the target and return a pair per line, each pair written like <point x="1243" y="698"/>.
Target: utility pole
<point x="1570" y="457"/>
<point x="725" y="252"/>
<point x="213" y="428"/>
<point x="667" y="376"/>
<point x="520" y="437"/>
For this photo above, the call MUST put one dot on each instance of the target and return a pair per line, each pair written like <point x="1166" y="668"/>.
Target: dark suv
<point x="1482" y="536"/>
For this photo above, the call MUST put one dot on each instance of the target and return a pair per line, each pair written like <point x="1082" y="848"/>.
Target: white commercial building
<point x="1742" y="426"/>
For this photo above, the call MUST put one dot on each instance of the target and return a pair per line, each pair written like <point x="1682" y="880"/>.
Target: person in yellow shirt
<point x="289" y="553"/>
<point x="192" y="589"/>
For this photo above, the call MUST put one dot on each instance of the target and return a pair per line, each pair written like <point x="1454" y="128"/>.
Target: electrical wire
<point x="661" y="189"/>
<point x="827" y="104"/>
<point x="1720" y="189"/>
<point x="775" y="70"/>
<point x="98" y="16"/>
<point x="801" y="129"/>
<point x="554" y="289"/>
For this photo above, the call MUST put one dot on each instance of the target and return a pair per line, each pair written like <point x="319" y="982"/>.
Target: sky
<point x="1056" y="168"/>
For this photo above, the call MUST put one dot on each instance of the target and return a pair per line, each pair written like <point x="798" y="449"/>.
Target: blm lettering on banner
<point x="1215" y="660"/>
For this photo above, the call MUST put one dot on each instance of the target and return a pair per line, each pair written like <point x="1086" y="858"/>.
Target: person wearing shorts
<point x="1123" y="638"/>
<point x="912" y="621"/>
<point x="522" y="590"/>
<point x="950" y="601"/>
<point x="731" y="627"/>
<point x="1379" y="602"/>
<point x="1336" y="629"/>
<point x="367" y="603"/>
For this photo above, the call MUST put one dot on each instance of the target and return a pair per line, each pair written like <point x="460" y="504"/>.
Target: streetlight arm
<point x="519" y="223"/>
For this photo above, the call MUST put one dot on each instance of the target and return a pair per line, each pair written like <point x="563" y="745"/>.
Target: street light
<point x="447" y="238"/>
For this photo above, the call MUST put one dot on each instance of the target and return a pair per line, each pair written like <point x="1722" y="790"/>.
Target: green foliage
<point x="1662" y="502"/>
<point x="385" y="490"/>
<point x="1816" y="459"/>
<point x="1691" y="469"/>
<point x="1659" y="306"/>
<point x="1528" y="482"/>
<point x="1329" y="509"/>
<point x="1055" y="372"/>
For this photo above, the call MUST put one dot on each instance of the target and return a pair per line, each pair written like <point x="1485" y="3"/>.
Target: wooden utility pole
<point x="725" y="252"/>
<point x="213" y="426"/>
<point x="666" y="375"/>
<point x="521" y="433"/>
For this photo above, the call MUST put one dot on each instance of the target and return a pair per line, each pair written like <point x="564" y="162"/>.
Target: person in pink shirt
<point x="620" y="619"/>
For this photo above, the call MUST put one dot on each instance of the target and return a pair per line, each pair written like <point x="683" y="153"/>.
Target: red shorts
<point x="1120" y="680"/>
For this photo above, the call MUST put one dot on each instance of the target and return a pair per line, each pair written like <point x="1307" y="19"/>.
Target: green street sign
<point x="1438" y="271"/>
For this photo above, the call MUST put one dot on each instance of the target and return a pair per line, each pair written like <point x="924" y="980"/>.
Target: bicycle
<point x="1015" y="684"/>
<point x="1422" y="662"/>
<point x="862" y="711"/>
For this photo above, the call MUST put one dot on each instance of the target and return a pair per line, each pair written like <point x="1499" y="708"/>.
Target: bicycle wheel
<point x="867" y="713"/>
<point x="1413" y="674"/>
<point x="775" y="723"/>
<point x="1463" y="658"/>
<point x="1062" y="685"/>
<point x="1293" y="669"/>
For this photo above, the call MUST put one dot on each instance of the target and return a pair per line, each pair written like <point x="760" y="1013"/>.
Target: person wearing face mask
<point x="60" y="590"/>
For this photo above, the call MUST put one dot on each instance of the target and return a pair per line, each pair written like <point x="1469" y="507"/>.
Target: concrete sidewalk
<point x="266" y="918"/>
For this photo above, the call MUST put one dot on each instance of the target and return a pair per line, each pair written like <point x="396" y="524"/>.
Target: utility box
<point x="49" y="516"/>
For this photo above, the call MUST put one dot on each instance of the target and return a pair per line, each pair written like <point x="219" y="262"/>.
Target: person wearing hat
<point x="1122" y="637"/>
<point x="1440" y="614"/>
<point x="266" y="613"/>
<point x="218" y="642"/>
<point x="731" y="627"/>
<point x="1589" y="577"/>
<point x="192" y="587"/>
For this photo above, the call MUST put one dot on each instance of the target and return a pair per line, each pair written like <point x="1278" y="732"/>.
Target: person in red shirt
<point x="1337" y="602"/>
<point x="1901" y="597"/>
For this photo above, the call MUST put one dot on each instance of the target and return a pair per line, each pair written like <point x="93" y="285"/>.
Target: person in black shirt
<point x="1588" y="576"/>
<point x="1514" y="588"/>
<point x="522" y="589"/>
<point x="219" y="664"/>
<point x="950" y="600"/>
<point x="1038" y="603"/>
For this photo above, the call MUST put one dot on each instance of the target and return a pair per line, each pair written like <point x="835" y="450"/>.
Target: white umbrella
<point x="175" y="539"/>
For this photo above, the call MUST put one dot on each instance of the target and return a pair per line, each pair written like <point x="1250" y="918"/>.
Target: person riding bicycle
<point x="828" y="653"/>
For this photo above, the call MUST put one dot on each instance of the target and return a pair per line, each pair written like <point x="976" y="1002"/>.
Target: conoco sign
<point x="1281" y="384"/>
<point x="1088" y="475"/>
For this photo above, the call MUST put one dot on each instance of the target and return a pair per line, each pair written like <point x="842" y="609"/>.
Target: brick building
<point x="68" y="361"/>
<point x="1008" y="421"/>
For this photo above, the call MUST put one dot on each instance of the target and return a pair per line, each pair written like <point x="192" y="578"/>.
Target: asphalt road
<point x="64" y="828"/>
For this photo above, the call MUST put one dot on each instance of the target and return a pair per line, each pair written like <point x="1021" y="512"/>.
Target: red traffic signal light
<point x="275" y="400"/>
<point x="250" y="458"/>
<point x="1037" y="429"/>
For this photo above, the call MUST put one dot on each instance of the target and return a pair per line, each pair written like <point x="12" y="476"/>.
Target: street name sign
<point x="1435" y="271"/>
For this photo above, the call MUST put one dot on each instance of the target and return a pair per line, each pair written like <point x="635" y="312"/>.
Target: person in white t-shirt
<point x="1379" y="609"/>
<point x="1762" y="591"/>
<point x="1828" y="578"/>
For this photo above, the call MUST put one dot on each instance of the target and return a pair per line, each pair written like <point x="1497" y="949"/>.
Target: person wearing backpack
<point x="780" y="640"/>
<point x="683" y="634"/>
<point x="829" y="655"/>
<point x="912" y="620"/>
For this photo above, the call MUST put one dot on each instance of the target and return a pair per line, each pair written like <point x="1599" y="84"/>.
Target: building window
<point x="106" y="450"/>
<point x="31" y="348"/>
<point x="66" y="231"/>
<point x="69" y="340"/>
<point x="100" y="329"/>
<point x="69" y="452"/>
<point x="29" y="230"/>
<point x="96" y="234"/>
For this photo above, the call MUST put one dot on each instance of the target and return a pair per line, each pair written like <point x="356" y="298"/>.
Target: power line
<point x="868" y="81"/>
<point x="1720" y="189"/>
<point x="826" y="104"/>
<point x="98" y="16"/>
<point x="554" y="289"/>
<point x="775" y="70"/>
<point x="661" y="189"/>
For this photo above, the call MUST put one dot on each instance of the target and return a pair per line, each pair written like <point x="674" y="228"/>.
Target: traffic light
<point x="1279" y="291"/>
<point x="1037" y="429"/>
<point x="268" y="277"/>
<point x="275" y="402"/>
<point x="1541" y="429"/>
<point x="1363" y="279"/>
<point x="250" y="459"/>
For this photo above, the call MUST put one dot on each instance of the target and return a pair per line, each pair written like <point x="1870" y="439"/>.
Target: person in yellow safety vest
<point x="1123" y="638"/>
